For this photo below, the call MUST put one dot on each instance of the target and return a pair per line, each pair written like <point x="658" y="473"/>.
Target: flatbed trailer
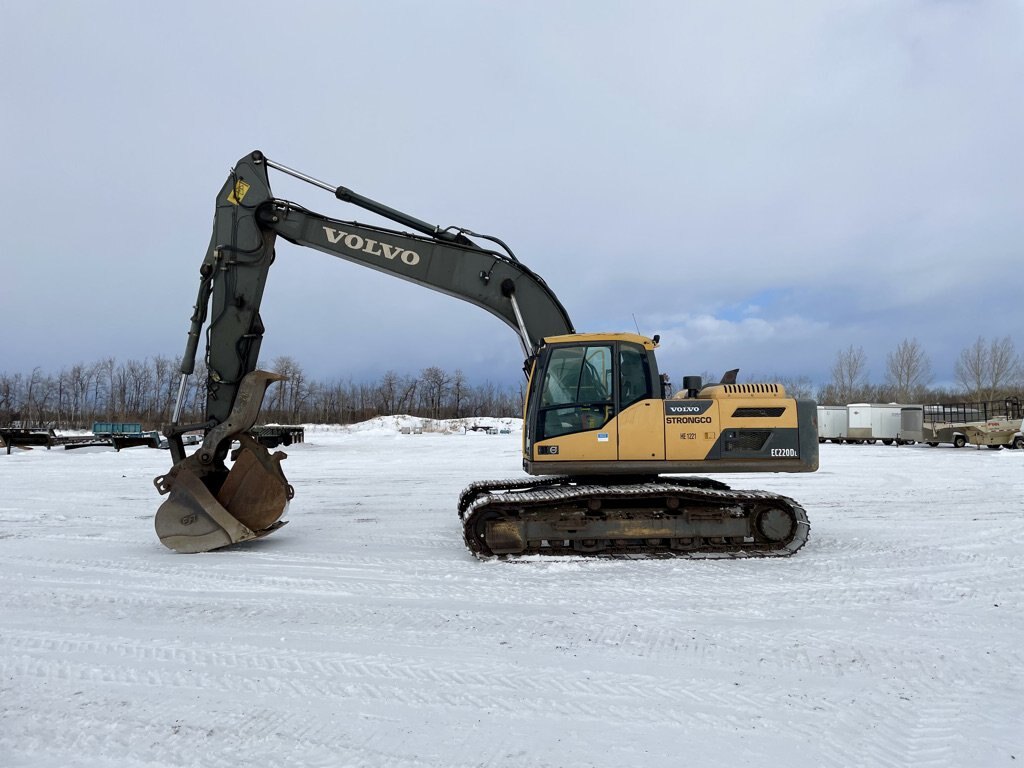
<point x="995" y="424"/>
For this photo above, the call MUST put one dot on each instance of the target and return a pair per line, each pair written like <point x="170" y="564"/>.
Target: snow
<point x="364" y="633"/>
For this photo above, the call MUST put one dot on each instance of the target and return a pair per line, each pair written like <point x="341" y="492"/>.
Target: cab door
<point x="575" y="417"/>
<point x="641" y="419"/>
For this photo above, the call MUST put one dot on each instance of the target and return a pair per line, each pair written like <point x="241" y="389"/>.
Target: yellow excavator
<point x="609" y="450"/>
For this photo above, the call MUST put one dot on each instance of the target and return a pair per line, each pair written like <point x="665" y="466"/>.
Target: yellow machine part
<point x="675" y="431"/>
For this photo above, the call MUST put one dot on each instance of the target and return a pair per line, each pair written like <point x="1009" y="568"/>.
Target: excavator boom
<point x="248" y="219"/>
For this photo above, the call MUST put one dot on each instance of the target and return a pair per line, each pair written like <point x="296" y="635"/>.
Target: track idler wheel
<point x="775" y="524"/>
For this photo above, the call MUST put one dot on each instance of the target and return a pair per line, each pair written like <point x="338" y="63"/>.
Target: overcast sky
<point x="762" y="184"/>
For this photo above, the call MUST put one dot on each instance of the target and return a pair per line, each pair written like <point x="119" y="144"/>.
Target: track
<point x="693" y="518"/>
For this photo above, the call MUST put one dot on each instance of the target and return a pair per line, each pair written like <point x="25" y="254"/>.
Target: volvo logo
<point x="676" y="408"/>
<point x="374" y="248"/>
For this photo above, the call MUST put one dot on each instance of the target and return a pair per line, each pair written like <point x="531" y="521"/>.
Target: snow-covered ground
<point x="364" y="634"/>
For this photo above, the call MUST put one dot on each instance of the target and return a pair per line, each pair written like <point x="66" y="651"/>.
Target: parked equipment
<point x="598" y="428"/>
<point x="23" y="437"/>
<point x="994" y="423"/>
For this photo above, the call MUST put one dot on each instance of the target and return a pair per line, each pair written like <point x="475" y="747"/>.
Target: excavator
<point x="609" y="452"/>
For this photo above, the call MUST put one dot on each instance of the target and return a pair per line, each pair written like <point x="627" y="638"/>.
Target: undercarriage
<point x="693" y="518"/>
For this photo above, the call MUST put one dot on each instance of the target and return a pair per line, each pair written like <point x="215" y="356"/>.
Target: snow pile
<point x="403" y="424"/>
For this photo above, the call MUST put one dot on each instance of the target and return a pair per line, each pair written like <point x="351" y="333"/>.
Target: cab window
<point x="577" y="393"/>
<point x="634" y="375"/>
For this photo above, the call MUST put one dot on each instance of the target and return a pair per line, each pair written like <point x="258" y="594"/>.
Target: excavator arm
<point x="247" y="222"/>
<point x="210" y="506"/>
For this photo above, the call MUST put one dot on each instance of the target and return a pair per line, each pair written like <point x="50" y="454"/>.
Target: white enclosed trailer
<point x="831" y="423"/>
<point x="858" y="423"/>
<point x="888" y="422"/>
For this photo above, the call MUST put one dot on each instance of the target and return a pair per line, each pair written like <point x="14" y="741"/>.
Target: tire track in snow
<point x="326" y="578"/>
<point x="472" y="685"/>
<point x="931" y="724"/>
<point x="829" y="653"/>
<point x="190" y="736"/>
<point x="656" y="632"/>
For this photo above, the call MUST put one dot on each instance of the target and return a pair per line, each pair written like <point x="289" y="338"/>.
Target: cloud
<point x="695" y="343"/>
<point x="754" y="186"/>
<point x="704" y="330"/>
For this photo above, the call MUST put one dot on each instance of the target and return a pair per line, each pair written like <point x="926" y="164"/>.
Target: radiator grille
<point x="747" y="440"/>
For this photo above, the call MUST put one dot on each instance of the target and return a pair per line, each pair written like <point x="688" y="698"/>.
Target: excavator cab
<point x="586" y="382"/>
<point x="582" y="386"/>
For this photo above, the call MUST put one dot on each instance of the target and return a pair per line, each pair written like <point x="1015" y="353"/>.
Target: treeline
<point x="145" y="391"/>
<point x="986" y="370"/>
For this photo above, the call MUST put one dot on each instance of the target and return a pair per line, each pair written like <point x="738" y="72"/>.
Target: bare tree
<point x="10" y="398"/>
<point x="167" y="376"/>
<point x="482" y="400"/>
<point x="849" y="376"/>
<point x="63" y="410"/>
<point x="908" y="371"/>
<point x="458" y="392"/>
<point x="284" y="398"/>
<point x="387" y="393"/>
<point x="435" y="384"/>
<point x="986" y="369"/>
<point x="971" y="366"/>
<point x="332" y="404"/>
<point x="194" y="406"/>
<point x="302" y="391"/>
<point x="406" y="394"/>
<point x="795" y="386"/>
<point x="1004" y="365"/>
<point x="38" y="390"/>
<point x="79" y="381"/>
<point x="139" y="390"/>
<point x="105" y="384"/>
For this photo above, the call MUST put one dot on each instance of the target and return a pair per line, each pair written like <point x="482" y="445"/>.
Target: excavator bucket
<point x="209" y="506"/>
<point x="248" y="505"/>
